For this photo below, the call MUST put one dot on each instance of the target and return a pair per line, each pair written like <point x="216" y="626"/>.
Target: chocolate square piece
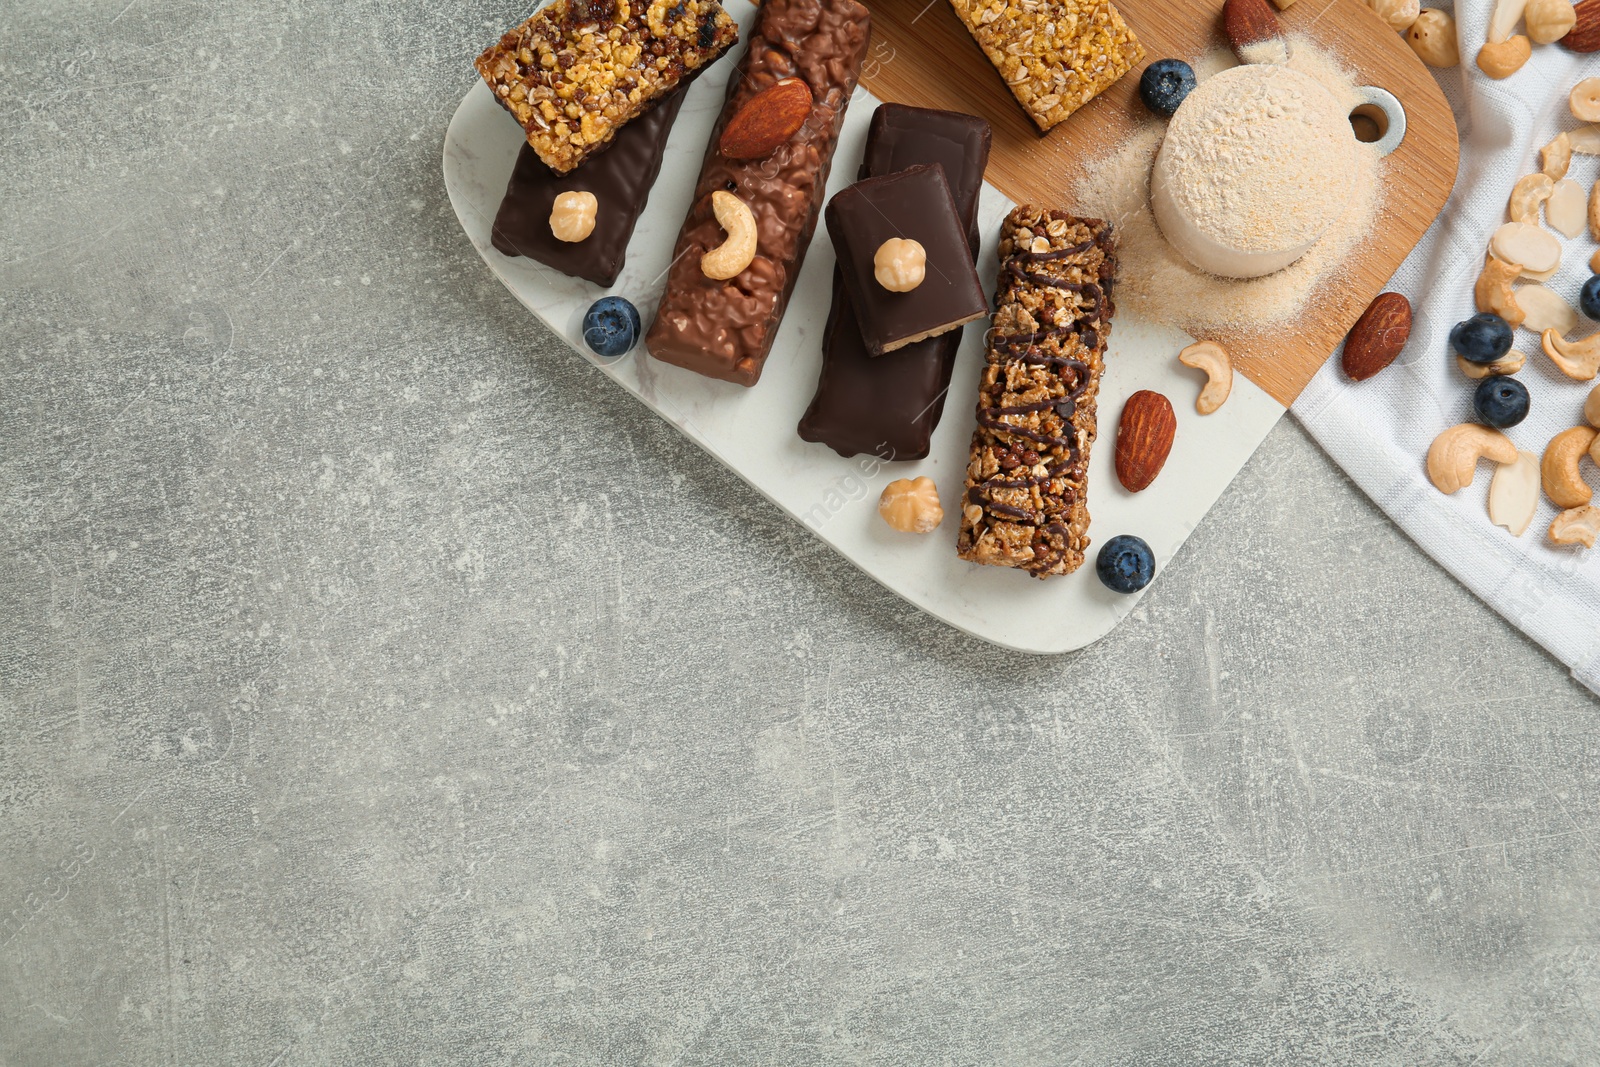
<point x="620" y="180"/>
<point x="914" y="204"/>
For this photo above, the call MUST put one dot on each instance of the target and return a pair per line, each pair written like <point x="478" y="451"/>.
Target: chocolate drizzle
<point x="1036" y="410"/>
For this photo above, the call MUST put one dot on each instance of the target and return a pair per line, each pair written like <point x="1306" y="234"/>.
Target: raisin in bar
<point x="913" y="204"/>
<point x="620" y="179"/>
<point x="1024" y="504"/>
<point x="889" y="405"/>
<point x="724" y="329"/>
<point x="578" y="71"/>
<point x="1055" y="55"/>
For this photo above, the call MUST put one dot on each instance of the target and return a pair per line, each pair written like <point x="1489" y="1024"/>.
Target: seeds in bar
<point x="1025" y="500"/>
<point x="1055" y="55"/>
<point x="577" y="71"/>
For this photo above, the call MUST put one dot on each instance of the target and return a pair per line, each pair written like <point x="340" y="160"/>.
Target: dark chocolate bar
<point x="1025" y="502"/>
<point x="724" y="329"/>
<point x="620" y="179"/>
<point x="889" y="405"/>
<point x="913" y="204"/>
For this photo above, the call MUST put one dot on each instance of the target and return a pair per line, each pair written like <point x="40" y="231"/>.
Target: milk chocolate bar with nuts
<point x="1055" y="55"/>
<point x="578" y="71"/>
<point x="1025" y="499"/>
<point x="723" y="327"/>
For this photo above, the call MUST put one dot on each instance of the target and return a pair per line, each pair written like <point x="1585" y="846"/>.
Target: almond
<point x="1144" y="439"/>
<point x="1248" y="23"/>
<point x="1585" y="35"/>
<point x="1377" y="337"/>
<point x="767" y="120"/>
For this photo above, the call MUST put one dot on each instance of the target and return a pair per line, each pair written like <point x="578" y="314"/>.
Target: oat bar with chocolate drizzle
<point x="1025" y="500"/>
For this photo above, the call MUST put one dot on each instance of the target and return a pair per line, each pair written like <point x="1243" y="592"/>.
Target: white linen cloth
<point x="1379" y="430"/>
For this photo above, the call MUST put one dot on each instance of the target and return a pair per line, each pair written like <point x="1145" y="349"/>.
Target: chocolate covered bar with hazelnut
<point x="889" y="405"/>
<point x="1025" y="500"/>
<point x="619" y="179"/>
<point x="738" y="255"/>
<point x="903" y="252"/>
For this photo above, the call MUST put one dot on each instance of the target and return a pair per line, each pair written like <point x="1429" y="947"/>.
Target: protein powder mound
<point x="1158" y="284"/>
<point x="1254" y="167"/>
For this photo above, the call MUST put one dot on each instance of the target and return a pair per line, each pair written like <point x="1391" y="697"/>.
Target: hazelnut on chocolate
<point x="572" y="216"/>
<point x="900" y="264"/>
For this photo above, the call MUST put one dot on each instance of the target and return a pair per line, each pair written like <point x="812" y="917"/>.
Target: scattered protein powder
<point x="1157" y="283"/>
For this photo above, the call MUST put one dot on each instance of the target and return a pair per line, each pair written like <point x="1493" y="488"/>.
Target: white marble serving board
<point x="753" y="430"/>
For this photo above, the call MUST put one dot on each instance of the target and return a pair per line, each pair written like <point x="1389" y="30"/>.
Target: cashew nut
<point x="1514" y="494"/>
<point x="1559" y="468"/>
<point x="1213" y="359"/>
<point x="1510" y="363"/>
<point x="734" y="254"/>
<point x="1493" y="290"/>
<point x="1530" y="192"/>
<point x="1594" y="223"/>
<point x="1556" y="157"/>
<point x="1591" y="409"/>
<point x="1505" y="58"/>
<point x="1453" y="456"/>
<point x="1507" y="13"/>
<point x="1549" y="20"/>
<point x="1578" y="360"/>
<point x="1576" y="526"/>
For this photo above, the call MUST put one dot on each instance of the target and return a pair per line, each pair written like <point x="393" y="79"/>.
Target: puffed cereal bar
<point x="577" y="71"/>
<point x="1055" y="55"/>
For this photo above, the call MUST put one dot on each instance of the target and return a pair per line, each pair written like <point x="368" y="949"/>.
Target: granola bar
<point x="1055" y="55"/>
<point x="1025" y="499"/>
<point x="578" y="71"/>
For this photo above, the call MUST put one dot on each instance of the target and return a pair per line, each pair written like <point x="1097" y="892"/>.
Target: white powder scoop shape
<point x="1157" y="283"/>
<point x="1254" y="167"/>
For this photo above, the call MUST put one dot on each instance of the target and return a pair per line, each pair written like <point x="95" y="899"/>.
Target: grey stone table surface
<point x="378" y="684"/>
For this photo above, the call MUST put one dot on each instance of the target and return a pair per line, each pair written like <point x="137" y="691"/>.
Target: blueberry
<point x="1501" y="402"/>
<point x="1483" y="338"/>
<point x="1125" y="564"/>
<point x="611" y="326"/>
<point x="1164" y="84"/>
<point x="1589" y="297"/>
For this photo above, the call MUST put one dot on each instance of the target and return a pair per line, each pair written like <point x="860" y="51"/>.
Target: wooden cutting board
<point x="921" y="54"/>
